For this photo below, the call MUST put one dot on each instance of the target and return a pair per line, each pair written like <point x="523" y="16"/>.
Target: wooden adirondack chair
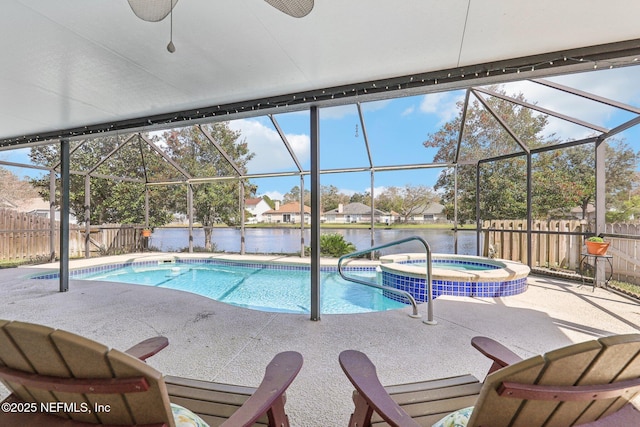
<point x="590" y="383"/>
<point x="59" y="379"/>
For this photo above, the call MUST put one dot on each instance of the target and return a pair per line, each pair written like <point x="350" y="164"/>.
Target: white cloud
<point x="338" y="112"/>
<point x="270" y="152"/>
<point x="431" y="102"/>
<point x="348" y="191"/>
<point x="376" y="190"/>
<point x="443" y="104"/>
<point x="617" y="84"/>
<point x="376" y="105"/>
<point x="408" y="111"/>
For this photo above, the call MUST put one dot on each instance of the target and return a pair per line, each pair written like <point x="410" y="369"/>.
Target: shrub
<point x="333" y="245"/>
<point x="595" y="239"/>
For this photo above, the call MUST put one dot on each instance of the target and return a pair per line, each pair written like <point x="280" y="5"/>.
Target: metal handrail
<point x="427" y="249"/>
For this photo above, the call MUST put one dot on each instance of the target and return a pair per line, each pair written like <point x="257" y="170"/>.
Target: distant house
<point x="38" y="206"/>
<point x="256" y="207"/>
<point x="287" y="213"/>
<point x="4" y="203"/>
<point x="573" y="213"/>
<point x="578" y="213"/>
<point x="354" y="213"/>
<point x="433" y="212"/>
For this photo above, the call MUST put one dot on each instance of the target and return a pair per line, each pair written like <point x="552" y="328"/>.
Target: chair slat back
<point x="48" y="352"/>
<point x="603" y="361"/>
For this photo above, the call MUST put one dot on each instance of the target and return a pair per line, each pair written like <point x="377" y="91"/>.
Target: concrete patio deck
<point x="215" y="341"/>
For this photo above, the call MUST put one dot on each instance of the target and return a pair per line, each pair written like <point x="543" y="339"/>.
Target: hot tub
<point x="458" y="275"/>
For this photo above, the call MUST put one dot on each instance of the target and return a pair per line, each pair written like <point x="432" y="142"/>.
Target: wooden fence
<point x="553" y="250"/>
<point x="625" y="251"/>
<point x="27" y="237"/>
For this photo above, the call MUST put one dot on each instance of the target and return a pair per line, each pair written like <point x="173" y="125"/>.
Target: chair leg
<point x="362" y="413"/>
<point x="276" y="414"/>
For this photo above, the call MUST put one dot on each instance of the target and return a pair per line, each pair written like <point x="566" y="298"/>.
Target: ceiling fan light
<point x="295" y="8"/>
<point x="152" y="10"/>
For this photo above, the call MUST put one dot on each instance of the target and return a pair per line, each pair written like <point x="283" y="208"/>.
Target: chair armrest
<point x="495" y="351"/>
<point x="279" y="374"/>
<point x="362" y="374"/>
<point x="147" y="348"/>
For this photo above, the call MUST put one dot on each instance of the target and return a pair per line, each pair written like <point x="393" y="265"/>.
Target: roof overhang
<point x="77" y="68"/>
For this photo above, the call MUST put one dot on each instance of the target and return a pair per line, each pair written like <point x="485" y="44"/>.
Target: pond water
<point x="287" y="240"/>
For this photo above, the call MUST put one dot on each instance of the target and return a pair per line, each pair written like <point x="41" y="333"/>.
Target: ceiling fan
<point x="157" y="10"/>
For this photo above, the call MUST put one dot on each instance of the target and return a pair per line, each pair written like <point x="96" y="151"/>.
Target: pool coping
<point x="80" y="264"/>
<point x="509" y="269"/>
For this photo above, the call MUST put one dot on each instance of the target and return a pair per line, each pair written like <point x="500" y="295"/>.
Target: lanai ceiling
<point x="74" y="66"/>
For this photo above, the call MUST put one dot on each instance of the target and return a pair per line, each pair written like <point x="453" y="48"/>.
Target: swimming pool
<point x="266" y="287"/>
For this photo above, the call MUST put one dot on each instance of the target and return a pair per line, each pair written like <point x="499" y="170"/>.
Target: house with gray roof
<point x="433" y="212"/>
<point x="355" y="213"/>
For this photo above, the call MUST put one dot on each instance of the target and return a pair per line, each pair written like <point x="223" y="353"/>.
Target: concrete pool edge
<point x="78" y="265"/>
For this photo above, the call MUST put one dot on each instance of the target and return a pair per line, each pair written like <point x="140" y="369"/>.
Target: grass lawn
<point x="627" y="288"/>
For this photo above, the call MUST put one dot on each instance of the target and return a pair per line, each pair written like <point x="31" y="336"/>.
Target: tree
<point x="270" y="202"/>
<point x="407" y="201"/>
<point x="13" y="188"/>
<point x="565" y="178"/>
<point x="111" y="200"/>
<point x="502" y="182"/>
<point x="294" y="196"/>
<point x="561" y="179"/>
<point x="331" y="197"/>
<point x="364" y="198"/>
<point x="216" y="201"/>
<point x="628" y="209"/>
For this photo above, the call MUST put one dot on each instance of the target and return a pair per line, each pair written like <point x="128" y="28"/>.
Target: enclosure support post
<point x="600" y="197"/>
<point x="315" y="213"/>
<point x="190" y="211"/>
<point x="529" y="212"/>
<point x="52" y="215"/>
<point x="242" y="240"/>
<point x="146" y="207"/>
<point x="478" y="224"/>
<point x="373" y="222"/>
<point x="64" y="215"/>
<point x="455" y="209"/>
<point x="301" y="216"/>
<point x="87" y="216"/>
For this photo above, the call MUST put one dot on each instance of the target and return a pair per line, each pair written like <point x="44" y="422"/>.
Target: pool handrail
<point x="430" y="320"/>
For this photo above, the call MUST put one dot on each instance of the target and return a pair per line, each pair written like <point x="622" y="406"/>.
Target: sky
<point x="397" y="128"/>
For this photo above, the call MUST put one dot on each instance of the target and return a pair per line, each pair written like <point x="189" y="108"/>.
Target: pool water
<point x="257" y="288"/>
<point x="460" y="266"/>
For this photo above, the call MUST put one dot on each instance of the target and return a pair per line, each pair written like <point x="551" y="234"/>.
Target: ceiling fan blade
<point x="152" y="10"/>
<point x="295" y="8"/>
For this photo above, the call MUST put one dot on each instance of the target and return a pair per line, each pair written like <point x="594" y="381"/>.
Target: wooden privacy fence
<point x="27" y="237"/>
<point x="625" y="251"/>
<point x="552" y="250"/>
<point x="548" y="248"/>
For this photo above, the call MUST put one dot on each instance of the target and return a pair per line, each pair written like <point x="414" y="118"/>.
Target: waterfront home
<point x="287" y="213"/>
<point x="355" y="213"/>
<point x="433" y="212"/>
<point x="256" y="207"/>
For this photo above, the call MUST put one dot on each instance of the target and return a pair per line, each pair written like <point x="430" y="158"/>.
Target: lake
<point x="287" y="240"/>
